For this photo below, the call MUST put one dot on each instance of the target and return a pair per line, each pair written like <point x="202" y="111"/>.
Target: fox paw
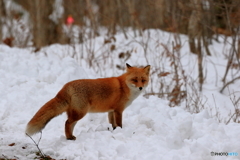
<point x="71" y="138"/>
<point x="113" y="128"/>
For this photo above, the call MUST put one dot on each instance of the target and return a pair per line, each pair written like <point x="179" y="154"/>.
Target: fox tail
<point x="51" y="109"/>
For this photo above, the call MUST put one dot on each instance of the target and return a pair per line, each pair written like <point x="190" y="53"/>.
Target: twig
<point x="230" y="118"/>
<point x="40" y="152"/>
<point x="217" y="111"/>
<point x="5" y="157"/>
<point x="232" y="81"/>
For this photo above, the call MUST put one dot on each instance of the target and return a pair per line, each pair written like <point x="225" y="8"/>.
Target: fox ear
<point x="147" y="69"/>
<point x="128" y="66"/>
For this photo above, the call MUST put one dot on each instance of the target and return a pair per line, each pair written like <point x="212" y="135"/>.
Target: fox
<point x="79" y="97"/>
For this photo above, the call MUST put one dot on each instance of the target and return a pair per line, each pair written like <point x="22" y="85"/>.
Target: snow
<point x="151" y="129"/>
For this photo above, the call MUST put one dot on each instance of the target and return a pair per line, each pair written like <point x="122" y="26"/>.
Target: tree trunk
<point x="194" y="25"/>
<point x="2" y="14"/>
<point x="43" y="27"/>
<point x="200" y="65"/>
<point x="44" y="30"/>
<point x="195" y="33"/>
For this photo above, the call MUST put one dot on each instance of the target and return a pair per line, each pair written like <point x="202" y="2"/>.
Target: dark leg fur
<point x="73" y="117"/>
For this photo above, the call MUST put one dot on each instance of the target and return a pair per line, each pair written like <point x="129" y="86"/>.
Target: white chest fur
<point x="134" y="93"/>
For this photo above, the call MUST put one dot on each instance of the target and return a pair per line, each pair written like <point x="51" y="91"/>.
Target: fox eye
<point x="143" y="80"/>
<point x="134" y="80"/>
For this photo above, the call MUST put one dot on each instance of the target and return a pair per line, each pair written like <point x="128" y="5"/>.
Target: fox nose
<point x="140" y="88"/>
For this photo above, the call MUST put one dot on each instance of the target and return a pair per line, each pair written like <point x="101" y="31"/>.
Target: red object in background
<point x="70" y="20"/>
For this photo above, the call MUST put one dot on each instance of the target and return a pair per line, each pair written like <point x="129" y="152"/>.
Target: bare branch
<point x="228" y="83"/>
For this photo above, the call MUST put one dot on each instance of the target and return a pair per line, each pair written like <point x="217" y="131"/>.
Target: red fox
<point x="79" y="97"/>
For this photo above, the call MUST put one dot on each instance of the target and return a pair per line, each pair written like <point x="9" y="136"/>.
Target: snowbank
<point x="151" y="129"/>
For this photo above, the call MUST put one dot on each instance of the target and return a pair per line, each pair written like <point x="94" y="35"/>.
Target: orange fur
<point x="79" y="97"/>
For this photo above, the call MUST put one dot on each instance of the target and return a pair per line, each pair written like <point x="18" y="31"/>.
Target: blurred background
<point x="41" y="23"/>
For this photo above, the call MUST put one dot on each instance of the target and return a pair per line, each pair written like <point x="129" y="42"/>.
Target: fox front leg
<point x="115" y="118"/>
<point x="111" y="118"/>
<point x="118" y="118"/>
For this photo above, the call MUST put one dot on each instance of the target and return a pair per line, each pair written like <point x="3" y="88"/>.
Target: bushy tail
<point x="51" y="109"/>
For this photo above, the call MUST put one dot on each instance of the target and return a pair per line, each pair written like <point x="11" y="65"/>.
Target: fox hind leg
<point x="73" y="117"/>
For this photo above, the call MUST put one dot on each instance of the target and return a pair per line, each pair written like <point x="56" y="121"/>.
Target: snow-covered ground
<point x="151" y="129"/>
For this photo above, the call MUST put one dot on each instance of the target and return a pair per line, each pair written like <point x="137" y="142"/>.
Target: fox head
<point x="137" y="78"/>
